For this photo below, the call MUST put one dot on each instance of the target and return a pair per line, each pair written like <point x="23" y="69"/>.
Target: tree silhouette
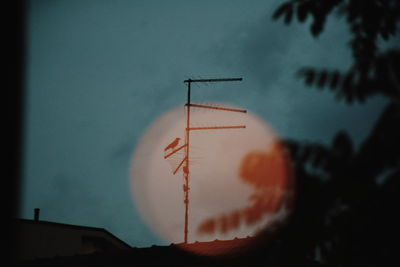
<point x="347" y="198"/>
<point x="370" y="21"/>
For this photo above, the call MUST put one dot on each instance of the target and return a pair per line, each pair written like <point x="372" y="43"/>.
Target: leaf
<point x="305" y="155"/>
<point x="281" y="10"/>
<point x="318" y="158"/>
<point x="335" y="77"/>
<point x="317" y="26"/>
<point x="288" y="16"/>
<point x="207" y="227"/>
<point x="323" y="77"/>
<point x="385" y="35"/>
<point x="302" y="12"/>
<point x="310" y="75"/>
<point x="347" y="83"/>
<point x="342" y="144"/>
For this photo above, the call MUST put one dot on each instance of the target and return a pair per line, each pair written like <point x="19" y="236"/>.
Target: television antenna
<point x="185" y="162"/>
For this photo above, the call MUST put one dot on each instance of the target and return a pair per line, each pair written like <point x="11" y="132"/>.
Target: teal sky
<point x="99" y="72"/>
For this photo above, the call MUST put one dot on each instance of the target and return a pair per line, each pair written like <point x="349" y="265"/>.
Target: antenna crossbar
<point x="180" y="164"/>
<point x="218" y="108"/>
<point x="173" y="152"/>
<point x="216" y="127"/>
<point x="212" y="80"/>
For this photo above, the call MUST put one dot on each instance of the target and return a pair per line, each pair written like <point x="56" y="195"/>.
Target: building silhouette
<point x="43" y="243"/>
<point x="36" y="239"/>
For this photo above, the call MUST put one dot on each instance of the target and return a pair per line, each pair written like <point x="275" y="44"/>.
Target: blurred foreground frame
<point x="344" y="213"/>
<point x="347" y="197"/>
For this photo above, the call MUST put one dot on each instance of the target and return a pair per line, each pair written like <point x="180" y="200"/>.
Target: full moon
<point x="240" y="180"/>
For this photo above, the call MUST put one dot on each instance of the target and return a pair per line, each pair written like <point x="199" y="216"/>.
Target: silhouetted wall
<point x="39" y="239"/>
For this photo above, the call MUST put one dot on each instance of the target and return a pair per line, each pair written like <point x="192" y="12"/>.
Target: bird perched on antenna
<point x="173" y="144"/>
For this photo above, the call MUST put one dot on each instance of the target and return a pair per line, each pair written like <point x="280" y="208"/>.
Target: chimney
<point x="37" y="212"/>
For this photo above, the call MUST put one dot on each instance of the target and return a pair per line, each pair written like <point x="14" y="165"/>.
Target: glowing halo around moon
<point x="241" y="180"/>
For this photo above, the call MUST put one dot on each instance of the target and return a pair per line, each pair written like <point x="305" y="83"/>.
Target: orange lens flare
<point x="270" y="175"/>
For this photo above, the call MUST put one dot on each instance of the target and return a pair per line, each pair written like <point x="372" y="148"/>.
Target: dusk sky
<point x="98" y="73"/>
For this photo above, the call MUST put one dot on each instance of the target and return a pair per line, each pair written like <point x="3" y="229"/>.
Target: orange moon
<point x="241" y="180"/>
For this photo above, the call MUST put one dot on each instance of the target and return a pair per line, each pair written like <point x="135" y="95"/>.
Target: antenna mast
<point x="186" y="160"/>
